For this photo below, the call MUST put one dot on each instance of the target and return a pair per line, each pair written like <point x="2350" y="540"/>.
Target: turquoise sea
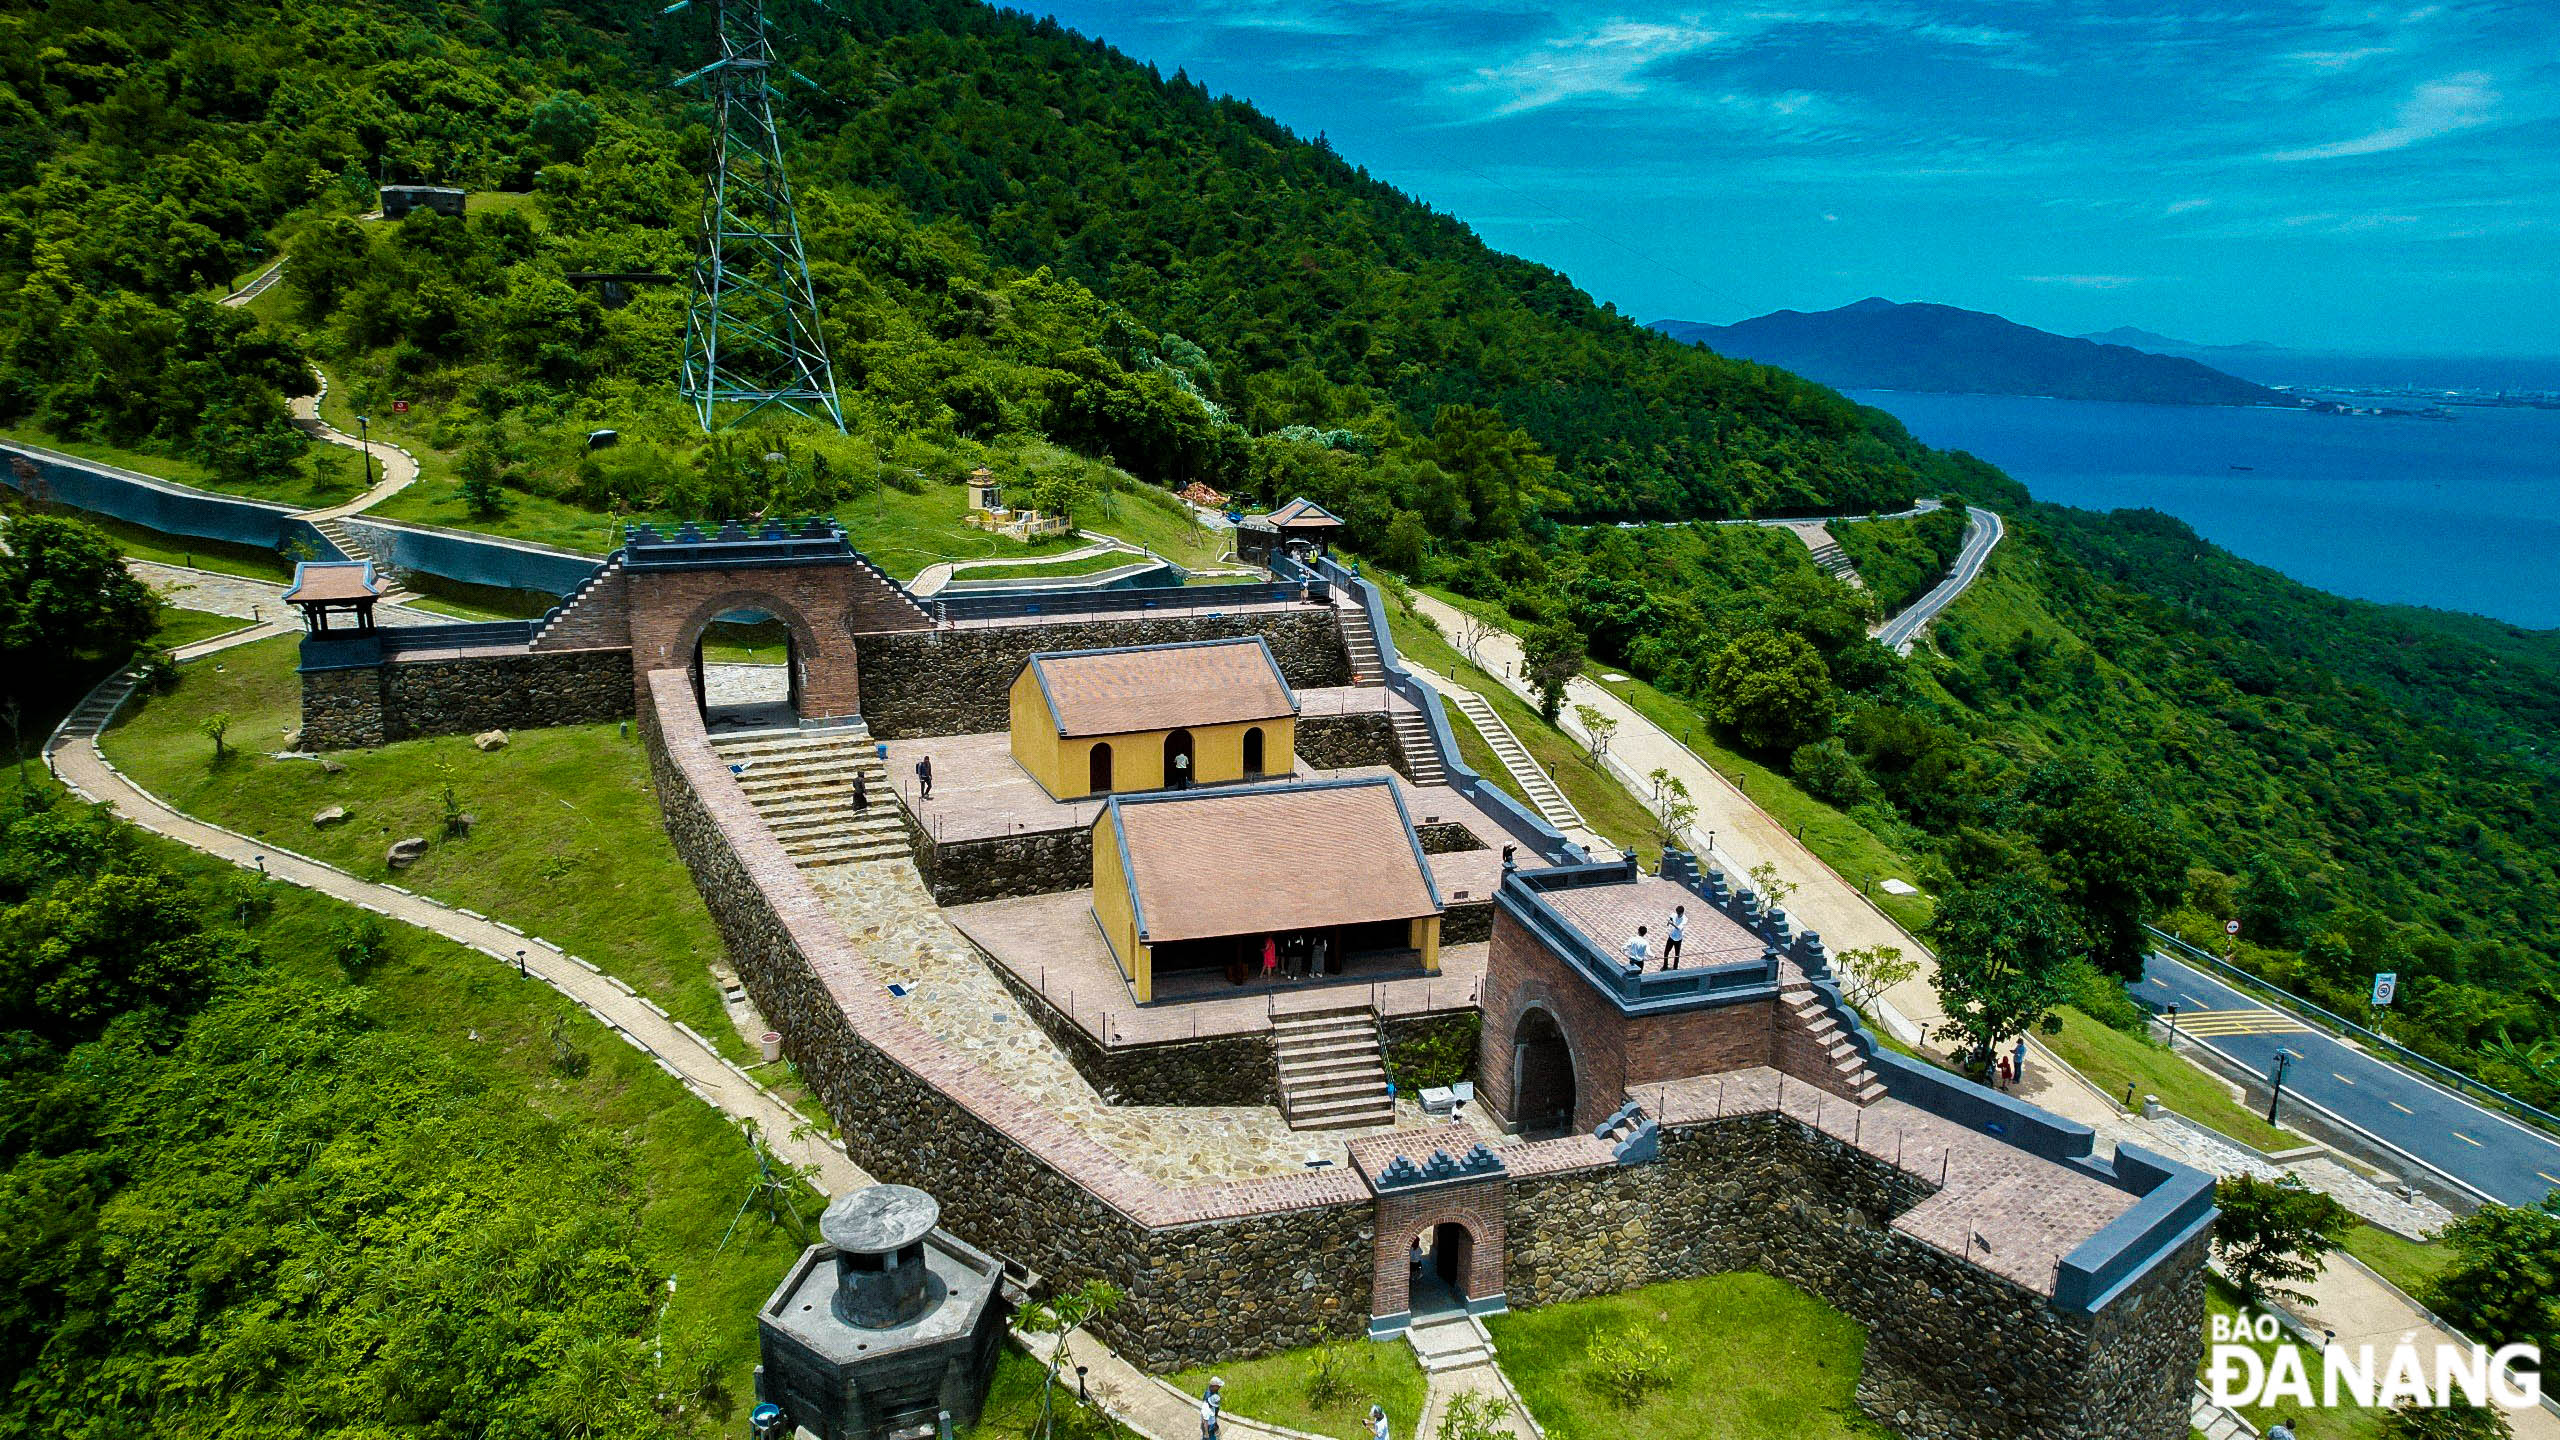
<point x="2460" y="514"/>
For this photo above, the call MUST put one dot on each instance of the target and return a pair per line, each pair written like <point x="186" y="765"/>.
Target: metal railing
<point x="2389" y="1048"/>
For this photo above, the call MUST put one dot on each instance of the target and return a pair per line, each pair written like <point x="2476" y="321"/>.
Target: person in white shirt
<point x="1212" y="1402"/>
<point x="1639" y="949"/>
<point x="1378" y="1427"/>
<point x="1678" y="932"/>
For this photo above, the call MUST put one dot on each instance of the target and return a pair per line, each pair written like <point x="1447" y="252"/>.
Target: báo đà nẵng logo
<point x="2252" y="1361"/>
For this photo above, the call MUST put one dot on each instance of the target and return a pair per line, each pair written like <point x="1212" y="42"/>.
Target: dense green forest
<point x="1029" y="247"/>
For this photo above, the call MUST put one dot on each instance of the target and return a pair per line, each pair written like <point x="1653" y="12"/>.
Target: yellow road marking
<point x="2547" y="1175"/>
<point x="2396" y="1105"/>
<point x="2458" y="1135"/>
<point x="2341" y="1079"/>
<point x="2252" y="1021"/>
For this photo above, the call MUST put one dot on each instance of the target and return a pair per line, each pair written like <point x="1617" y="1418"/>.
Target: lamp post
<point x="365" y="441"/>
<point x="2284" y="1061"/>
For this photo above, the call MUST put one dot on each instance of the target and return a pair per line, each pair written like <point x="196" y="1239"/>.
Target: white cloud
<point x="2084" y="282"/>
<point x="2181" y="207"/>
<point x="1607" y="61"/>
<point x="2340" y="59"/>
<point x="2437" y="108"/>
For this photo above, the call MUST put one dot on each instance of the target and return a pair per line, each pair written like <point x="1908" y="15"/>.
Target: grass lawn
<point x="1144" y="515"/>
<point x="1081" y="565"/>
<point x="568" y="842"/>
<point x="142" y="543"/>
<point x="2347" y="1422"/>
<point x="2409" y="1264"/>
<point x="2112" y="1059"/>
<point x="904" y="533"/>
<point x="1752" y="1359"/>
<point x="1279" y="1388"/>
<point x="185" y="627"/>
<point x="319" y="478"/>
<point x="689" y="1167"/>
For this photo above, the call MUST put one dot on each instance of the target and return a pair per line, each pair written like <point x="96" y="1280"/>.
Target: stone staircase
<point x="1802" y="1010"/>
<point x="1835" y="562"/>
<point x="1333" y="1069"/>
<point x="1449" y="1342"/>
<point x="1421" y="754"/>
<point x="88" y="718"/>
<point x="1544" y="795"/>
<point x="801" y="782"/>
<point x="333" y="528"/>
<point x="569" y="621"/>
<point x="1360" y="642"/>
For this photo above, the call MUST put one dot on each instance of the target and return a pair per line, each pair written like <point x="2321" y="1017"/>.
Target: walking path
<point x="245" y="599"/>
<point x="930" y="580"/>
<point x="73" y="755"/>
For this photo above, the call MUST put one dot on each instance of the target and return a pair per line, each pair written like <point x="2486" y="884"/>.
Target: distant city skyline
<point x="2376" y="179"/>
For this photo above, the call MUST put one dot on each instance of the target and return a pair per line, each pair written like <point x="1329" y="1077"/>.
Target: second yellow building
<point x="1153" y="717"/>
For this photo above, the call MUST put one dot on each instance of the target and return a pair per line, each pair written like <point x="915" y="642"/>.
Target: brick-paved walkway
<point x="75" y="759"/>
<point x="246" y="599"/>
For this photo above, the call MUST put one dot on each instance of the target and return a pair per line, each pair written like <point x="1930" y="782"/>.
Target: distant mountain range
<point x="2135" y="338"/>
<point x="1877" y="344"/>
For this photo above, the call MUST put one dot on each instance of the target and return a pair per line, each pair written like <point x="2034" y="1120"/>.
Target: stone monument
<point x="885" y="1325"/>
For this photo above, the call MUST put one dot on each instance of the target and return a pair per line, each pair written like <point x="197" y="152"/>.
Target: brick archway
<point x="820" y="605"/>
<point x="805" y="641"/>
<point x="1499" y="1071"/>
<point x="1474" y="1207"/>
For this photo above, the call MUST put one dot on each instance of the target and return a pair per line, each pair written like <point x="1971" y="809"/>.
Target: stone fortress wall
<point x="1220" y="1271"/>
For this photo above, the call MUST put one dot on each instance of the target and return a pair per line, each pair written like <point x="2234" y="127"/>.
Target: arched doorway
<point x="1098" y="769"/>
<point x="1253" y="753"/>
<point x="1443" y="1260"/>
<point x="1541" y="1074"/>
<point x="1177" y="760"/>
<point x="746" y="672"/>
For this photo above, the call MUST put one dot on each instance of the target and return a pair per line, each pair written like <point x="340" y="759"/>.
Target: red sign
<point x="400" y="406"/>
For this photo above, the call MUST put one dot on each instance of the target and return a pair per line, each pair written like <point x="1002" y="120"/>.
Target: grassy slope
<point x="185" y="627"/>
<point x="1274" y="1388"/>
<point x="2112" y="1059"/>
<point x="1753" y="1359"/>
<point x="568" y="842"/>
<point x="2344" y="1423"/>
<point x="689" y="1166"/>
<point x="142" y="543"/>
<point x="323" y="476"/>
<point x="2410" y="1264"/>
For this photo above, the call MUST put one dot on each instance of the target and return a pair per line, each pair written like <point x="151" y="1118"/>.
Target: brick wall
<point x="823" y="606"/>
<point x="1475" y="1206"/>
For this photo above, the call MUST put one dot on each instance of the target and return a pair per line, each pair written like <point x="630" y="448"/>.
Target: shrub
<point x="1626" y="1366"/>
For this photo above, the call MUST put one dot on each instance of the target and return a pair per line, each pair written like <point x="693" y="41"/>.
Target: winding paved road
<point x="1982" y="531"/>
<point x="2480" y="1150"/>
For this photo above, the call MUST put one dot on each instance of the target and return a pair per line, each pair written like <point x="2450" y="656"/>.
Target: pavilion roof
<point x="333" y="581"/>
<point x="1162" y="687"/>
<point x="1206" y="863"/>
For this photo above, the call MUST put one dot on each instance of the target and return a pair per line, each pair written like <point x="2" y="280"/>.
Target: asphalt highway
<point x="2482" y="1149"/>
<point x="1982" y="531"/>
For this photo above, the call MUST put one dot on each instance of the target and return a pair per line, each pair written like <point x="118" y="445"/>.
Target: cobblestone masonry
<point x="1348" y="742"/>
<point x="459" y="695"/>
<point x="955" y="682"/>
<point x="1219" y="1271"/>
<point x="999" y="867"/>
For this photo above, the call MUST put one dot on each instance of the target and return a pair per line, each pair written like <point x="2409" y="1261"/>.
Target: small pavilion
<point x="1328" y="874"/>
<point x="1259" y="537"/>
<point x="1153" y="717"/>
<point x="344" y="588"/>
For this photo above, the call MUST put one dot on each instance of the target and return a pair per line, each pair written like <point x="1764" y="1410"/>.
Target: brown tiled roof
<point x="1609" y="914"/>
<point x="1303" y="513"/>
<point x="1160" y="687"/>
<point x="1242" y="862"/>
<point x="316" y="580"/>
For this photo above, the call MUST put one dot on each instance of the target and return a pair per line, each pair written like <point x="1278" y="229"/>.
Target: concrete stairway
<point x="1360" y="641"/>
<point x="1421" y="756"/>
<point x="801" y="782"/>
<point x="334" y="529"/>
<point x="1805" y="1012"/>
<point x="91" y="715"/>
<point x="1333" y="1070"/>
<point x="1835" y="562"/>
<point x="1532" y="779"/>
<point x="1449" y="1342"/>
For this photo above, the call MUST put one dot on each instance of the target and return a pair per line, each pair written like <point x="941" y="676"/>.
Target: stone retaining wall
<point x="503" y="690"/>
<point x="957" y="682"/>
<point x="1210" y="1070"/>
<point x="1347" y="742"/>
<point x="999" y="867"/>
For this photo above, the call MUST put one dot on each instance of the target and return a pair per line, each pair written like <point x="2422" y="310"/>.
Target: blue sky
<point x="2383" y="179"/>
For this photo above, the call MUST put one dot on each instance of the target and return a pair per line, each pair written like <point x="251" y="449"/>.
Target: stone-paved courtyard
<point x="888" y="914"/>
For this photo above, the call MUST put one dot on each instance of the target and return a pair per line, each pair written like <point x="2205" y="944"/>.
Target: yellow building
<point x="1153" y="717"/>
<point x="1191" y="889"/>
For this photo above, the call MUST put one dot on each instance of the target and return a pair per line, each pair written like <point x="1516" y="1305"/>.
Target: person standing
<point x="2018" y="1061"/>
<point x="1678" y="932"/>
<point x="1639" y="950"/>
<point x="1182" y="771"/>
<point x="861" y="792"/>
<point x="1213" y="1402"/>
<point x="1270" y="958"/>
<point x="924" y="777"/>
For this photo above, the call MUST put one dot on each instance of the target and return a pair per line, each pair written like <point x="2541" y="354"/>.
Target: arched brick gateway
<point x="1425" y="1180"/>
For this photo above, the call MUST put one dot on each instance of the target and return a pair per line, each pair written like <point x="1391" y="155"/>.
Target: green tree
<point x="2457" y="1421"/>
<point x="2274" y="1234"/>
<point x="1770" y="690"/>
<point x="216" y="727"/>
<point x="1550" y="656"/>
<point x="2114" y="859"/>
<point x="66" y="601"/>
<point x="2003" y="948"/>
<point x="2503" y="1287"/>
<point x="1405" y="543"/>
<point x="1828" y="772"/>
<point x="95" y="946"/>
<point x="564" y="124"/>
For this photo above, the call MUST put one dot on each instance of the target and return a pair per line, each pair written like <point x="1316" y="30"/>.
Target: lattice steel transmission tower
<point x="751" y="335"/>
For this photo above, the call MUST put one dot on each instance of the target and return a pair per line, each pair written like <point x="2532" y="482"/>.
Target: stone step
<point x="806" y="827"/>
<point x="1370" y="1086"/>
<point x="798" y="804"/>
<point x="839" y="851"/>
<point x="755" y="778"/>
<point x="833" y="740"/>
<point x="1870" y="1092"/>
<point x="1343" y="1115"/>
<point x="1332" y="1015"/>
<point x="1303" y="1041"/>
<point x="804" y="758"/>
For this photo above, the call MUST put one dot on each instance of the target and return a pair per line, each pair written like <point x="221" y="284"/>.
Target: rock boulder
<point x="405" y="853"/>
